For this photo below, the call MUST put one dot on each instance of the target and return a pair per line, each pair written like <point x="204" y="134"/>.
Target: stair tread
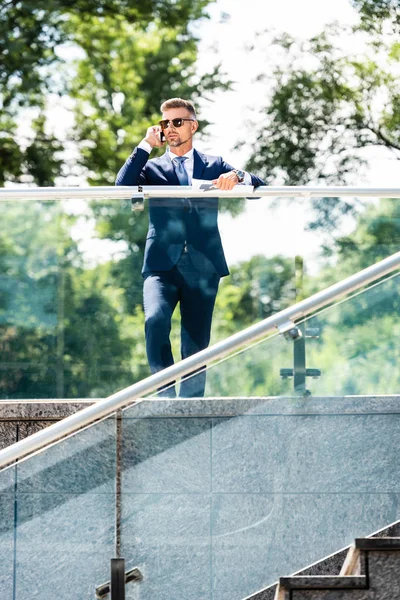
<point x="323" y="582"/>
<point x="383" y="543"/>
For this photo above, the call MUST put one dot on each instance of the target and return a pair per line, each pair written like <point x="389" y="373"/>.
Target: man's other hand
<point x="153" y="136"/>
<point x="226" y="181"/>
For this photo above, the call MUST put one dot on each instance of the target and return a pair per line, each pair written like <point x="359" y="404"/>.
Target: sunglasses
<point x="165" y="123"/>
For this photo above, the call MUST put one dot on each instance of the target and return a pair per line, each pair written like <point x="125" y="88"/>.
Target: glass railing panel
<point x="357" y="348"/>
<point x="221" y="497"/>
<point x="71" y="306"/>
<point x="280" y="469"/>
<point x="58" y="511"/>
<point x="349" y="348"/>
<point x="207" y="485"/>
<point x="70" y="298"/>
<point x="344" y="235"/>
<point x="166" y="502"/>
<point x="7" y="517"/>
<point x="29" y="288"/>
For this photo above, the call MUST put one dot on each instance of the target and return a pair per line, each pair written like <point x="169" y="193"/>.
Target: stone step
<point x="386" y="543"/>
<point x="324" y="582"/>
<point x="346" y="562"/>
<point x="381" y="580"/>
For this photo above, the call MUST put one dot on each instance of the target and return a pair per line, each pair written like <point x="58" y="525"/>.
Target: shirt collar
<point x="188" y="155"/>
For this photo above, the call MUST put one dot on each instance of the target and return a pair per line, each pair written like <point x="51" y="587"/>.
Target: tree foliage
<point x="31" y="33"/>
<point x="377" y="13"/>
<point x="120" y="84"/>
<point x="327" y="104"/>
<point x="64" y="330"/>
<point x="255" y="290"/>
<point x="319" y="117"/>
<point x="138" y="50"/>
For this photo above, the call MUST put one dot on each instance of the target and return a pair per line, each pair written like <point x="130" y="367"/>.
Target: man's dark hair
<point x="179" y="103"/>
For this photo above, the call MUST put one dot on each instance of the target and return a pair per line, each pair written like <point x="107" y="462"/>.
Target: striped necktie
<point x="180" y="170"/>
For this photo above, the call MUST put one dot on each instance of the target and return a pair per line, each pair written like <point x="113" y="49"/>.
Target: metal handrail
<point x="283" y="321"/>
<point x="126" y="192"/>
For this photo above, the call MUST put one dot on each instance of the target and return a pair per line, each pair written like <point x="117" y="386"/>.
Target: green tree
<point x="126" y="73"/>
<point x="377" y="13"/>
<point x="32" y="33"/>
<point x="255" y="290"/>
<point x="375" y="236"/>
<point x="136" y="39"/>
<point x="318" y="117"/>
<point x="326" y="105"/>
<point x="64" y="331"/>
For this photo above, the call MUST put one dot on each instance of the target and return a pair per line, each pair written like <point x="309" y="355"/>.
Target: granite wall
<point x="218" y="498"/>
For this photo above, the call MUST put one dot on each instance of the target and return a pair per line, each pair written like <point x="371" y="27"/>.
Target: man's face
<point x="176" y="136"/>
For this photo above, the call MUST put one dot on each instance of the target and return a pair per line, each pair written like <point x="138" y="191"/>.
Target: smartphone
<point x="162" y="136"/>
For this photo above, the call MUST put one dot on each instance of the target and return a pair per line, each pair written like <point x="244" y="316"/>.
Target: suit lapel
<point x="168" y="169"/>
<point x="199" y="164"/>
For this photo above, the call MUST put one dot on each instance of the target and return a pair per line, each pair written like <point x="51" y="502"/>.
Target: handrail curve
<point x="134" y="393"/>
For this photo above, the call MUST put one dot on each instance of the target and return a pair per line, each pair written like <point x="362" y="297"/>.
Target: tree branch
<point x="381" y="136"/>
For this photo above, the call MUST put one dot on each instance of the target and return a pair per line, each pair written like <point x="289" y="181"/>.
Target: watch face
<point x="240" y="175"/>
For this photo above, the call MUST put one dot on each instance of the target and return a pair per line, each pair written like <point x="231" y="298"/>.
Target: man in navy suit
<point x="184" y="259"/>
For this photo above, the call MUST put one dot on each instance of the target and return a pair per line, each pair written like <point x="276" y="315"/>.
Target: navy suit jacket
<point x="176" y="221"/>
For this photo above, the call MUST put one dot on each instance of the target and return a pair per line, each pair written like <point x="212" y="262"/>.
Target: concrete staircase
<point x="367" y="570"/>
<point x="371" y="572"/>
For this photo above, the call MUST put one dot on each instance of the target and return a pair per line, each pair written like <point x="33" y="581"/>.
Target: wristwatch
<point x="240" y="175"/>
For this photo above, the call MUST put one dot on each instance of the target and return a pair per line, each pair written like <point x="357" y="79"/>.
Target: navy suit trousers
<point x="195" y="290"/>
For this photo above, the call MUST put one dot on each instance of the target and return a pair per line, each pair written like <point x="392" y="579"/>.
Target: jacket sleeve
<point x="255" y="181"/>
<point x="133" y="171"/>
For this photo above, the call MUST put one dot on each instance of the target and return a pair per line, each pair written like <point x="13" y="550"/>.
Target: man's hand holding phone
<point x="155" y="137"/>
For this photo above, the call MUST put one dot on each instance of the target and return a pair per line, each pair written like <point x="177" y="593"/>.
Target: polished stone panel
<point x="6" y="545"/>
<point x="269" y="534"/>
<point x="166" y="455"/>
<point x="7" y="481"/>
<point x="8" y="436"/>
<point x="40" y="410"/>
<point x="288" y="486"/>
<point x="27" y="428"/>
<point x="273" y="405"/>
<point x="85" y="462"/>
<point x="321" y="453"/>
<point x="168" y="537"/>
<point x="64" y="545"/>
